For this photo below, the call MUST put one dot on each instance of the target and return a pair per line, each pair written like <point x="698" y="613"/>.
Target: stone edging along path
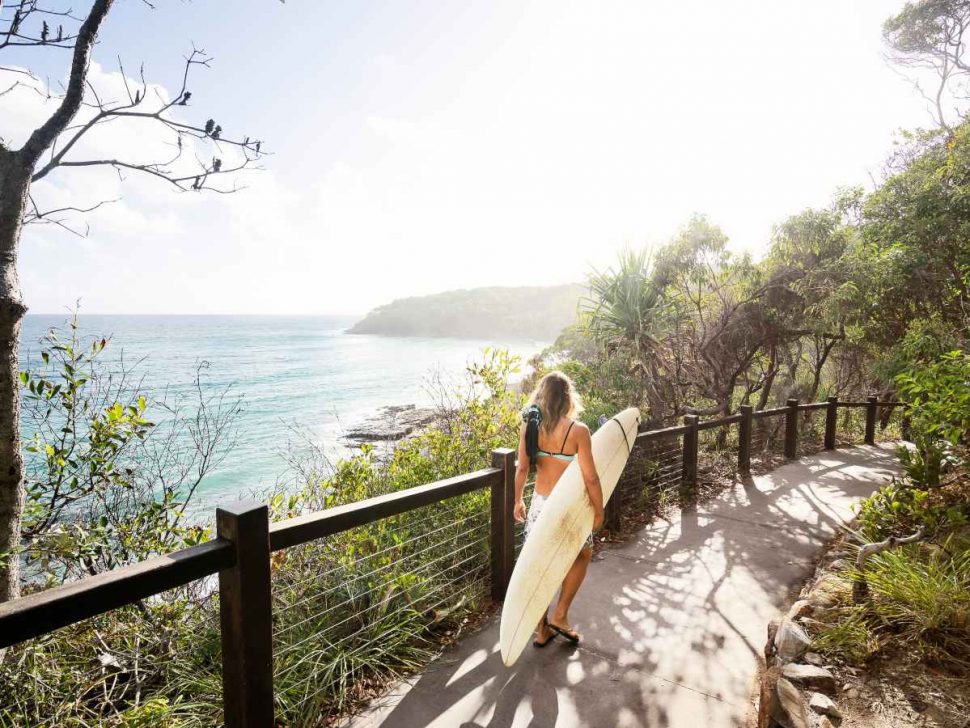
<point x="673" y="620"/>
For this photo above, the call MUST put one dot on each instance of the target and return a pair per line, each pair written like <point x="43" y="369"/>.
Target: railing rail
<point x="241" y="553"/>
<point x="299" y="530"/>
<point x="45" y="611"/>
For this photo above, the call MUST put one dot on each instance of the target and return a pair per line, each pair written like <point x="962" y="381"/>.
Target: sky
<point x="426" y="146"/>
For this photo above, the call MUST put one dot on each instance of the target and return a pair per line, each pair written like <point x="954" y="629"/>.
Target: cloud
<point x="520" y="146"/>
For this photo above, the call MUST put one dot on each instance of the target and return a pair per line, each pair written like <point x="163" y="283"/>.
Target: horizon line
<point x="115" y="313"/>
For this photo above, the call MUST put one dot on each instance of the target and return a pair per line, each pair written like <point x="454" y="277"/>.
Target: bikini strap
<point x="562" y="449"/>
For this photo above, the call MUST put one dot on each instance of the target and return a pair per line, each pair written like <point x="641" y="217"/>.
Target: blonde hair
<point x="556" y="397"/>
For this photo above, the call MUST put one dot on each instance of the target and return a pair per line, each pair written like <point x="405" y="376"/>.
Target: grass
<point x="361" y="609"/>
<point x="919" y="599"/>
<point x="351" y="613"/>
<point x="922" y="594"/>
<point x="850" y="637"/>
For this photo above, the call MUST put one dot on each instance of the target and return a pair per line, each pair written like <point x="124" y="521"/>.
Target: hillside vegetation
<point x="869" y="294"/>
<point x="528" y="312"/>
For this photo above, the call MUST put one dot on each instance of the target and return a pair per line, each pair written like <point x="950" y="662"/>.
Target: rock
<point x="392" y="423"/>
<point x="839" y="565"/>
<point x="852" y="693"/>
<point x="788" y="707"/>
<point x="829" y="590"/>
<point x="770" y="649"/>
<point x="813" y="658"/>
<point x="790" y="641"/>
<point x="799" y="609"/>
<point x="766" y="697"/>
<point x="811" y="677"/>
<point x="934" y="716"/>
<point x="825" y="723"/>
<point x="108" y="660"/>
<point x="824" y="705"/>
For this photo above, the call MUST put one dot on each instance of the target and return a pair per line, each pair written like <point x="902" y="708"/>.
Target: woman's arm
<point x="590" y="476"/>
<point x="521" y="475"/>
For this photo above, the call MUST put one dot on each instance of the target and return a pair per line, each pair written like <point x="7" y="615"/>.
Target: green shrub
<point x="925" y="463"/>
<point x="939" y="396"/>
<point x="918" y="600"/>
<point x="899" y="509"/>
<point x="921" y="592"/>
<point x="848" y="637"/>
<point x="351" y="611"/>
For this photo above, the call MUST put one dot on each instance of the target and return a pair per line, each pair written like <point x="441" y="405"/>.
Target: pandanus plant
<point x="626" y="311"/>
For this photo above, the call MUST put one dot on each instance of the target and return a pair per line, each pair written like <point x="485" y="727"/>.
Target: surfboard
<point x="559" y="533"/>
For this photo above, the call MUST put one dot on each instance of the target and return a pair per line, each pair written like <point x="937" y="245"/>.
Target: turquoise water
<point x="302" y="372"/>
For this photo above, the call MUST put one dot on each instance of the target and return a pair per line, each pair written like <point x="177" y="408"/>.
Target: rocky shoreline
<point x="392" y="423"/>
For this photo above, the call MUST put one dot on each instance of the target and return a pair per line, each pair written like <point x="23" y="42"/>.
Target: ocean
<point x="293" y="372"/>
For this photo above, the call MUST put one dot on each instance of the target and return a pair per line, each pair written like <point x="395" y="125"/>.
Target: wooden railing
<point x="240" y="553"/>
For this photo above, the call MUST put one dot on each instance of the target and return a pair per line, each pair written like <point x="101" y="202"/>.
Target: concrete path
<point x="674" y="621"/>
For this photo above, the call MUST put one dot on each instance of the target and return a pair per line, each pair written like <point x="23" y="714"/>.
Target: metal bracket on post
<point x="791" y="430"/>
<point x="744" y="438"/>
<point x="502" y="531"/>
<point x="246" y="617"/>
<point x="831" y="422"/>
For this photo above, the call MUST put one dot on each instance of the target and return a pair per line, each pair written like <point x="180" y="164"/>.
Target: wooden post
<point x="246" y="616"/>
<point x="791" y="430"/>
<point x="501" y="539"/>
<point x="871" y="412"/>
<point x="688" y="478"/>
<point x="744" y="438"/>
<point x="831" y="422"/>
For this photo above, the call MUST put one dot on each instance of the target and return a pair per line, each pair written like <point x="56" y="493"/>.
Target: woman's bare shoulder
<point x="581" y="429"/>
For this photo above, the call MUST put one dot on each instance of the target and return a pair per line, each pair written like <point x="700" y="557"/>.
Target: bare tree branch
<point x="134" y="109"/>
<point x="45" y="135"/>
<point x="52" y="217"/>
<point x="42" y="33"/>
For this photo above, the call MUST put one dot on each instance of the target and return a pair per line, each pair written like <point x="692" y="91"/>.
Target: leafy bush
<point x="928" y="461"/>
<point x="939" y="396"/>
<point x="899" y="509"/>
<point x="350" y="612"/>
<point x="110" y="472"/>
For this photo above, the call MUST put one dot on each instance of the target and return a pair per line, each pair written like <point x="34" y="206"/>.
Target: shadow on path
<point x="673" y="621"/>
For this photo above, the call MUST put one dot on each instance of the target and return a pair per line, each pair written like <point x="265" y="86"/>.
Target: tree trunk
<point x="769" y="380"/>
<point x="14" y="184"/>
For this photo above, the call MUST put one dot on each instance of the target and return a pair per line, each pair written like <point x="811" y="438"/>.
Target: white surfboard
<point x="559" y="533"/>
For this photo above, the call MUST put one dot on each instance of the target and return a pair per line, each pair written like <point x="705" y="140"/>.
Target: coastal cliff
<point x="527" y="312"/>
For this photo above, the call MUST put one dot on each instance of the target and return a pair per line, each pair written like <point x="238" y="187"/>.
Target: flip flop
<point x="550" y="638"/>
<point x="538" y="644"/>
<point x="569" y="635"/>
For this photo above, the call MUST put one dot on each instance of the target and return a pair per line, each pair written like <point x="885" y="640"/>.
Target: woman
<point x="551" y="439"/>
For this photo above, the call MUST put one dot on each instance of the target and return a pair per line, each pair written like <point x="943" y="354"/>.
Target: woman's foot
<point x="544" y="635"/>
<point x="561" y="627"/>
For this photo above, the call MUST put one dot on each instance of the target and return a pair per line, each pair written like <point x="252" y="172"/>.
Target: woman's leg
<point x="544" y="632"/>
<point x="570" y="585"/>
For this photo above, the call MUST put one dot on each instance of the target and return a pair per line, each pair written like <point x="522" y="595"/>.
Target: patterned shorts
<point x="535" y="508"/>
